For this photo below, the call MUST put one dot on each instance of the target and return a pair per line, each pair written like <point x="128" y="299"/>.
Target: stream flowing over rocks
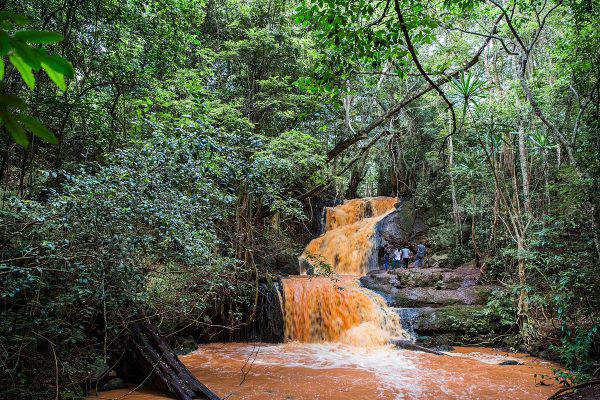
<point x="356" y="333"/>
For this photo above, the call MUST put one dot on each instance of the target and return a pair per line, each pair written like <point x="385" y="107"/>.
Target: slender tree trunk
<point x="477" y="253"/>
<point x="524" y="167"/>
<point x="356" y="177"/>
<point x="522" y="145"/>
<point x="455" y="210"/>
<point x="546" y="183"/>
<point x="523" y="304"/>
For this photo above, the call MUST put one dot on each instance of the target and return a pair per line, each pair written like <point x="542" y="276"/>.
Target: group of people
<point x="401" y="257"/>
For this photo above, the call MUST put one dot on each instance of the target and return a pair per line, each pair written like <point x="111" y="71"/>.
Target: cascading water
<point x="324" y="309"/>
<point x="321" y="309"/>
<point x="349" y="244"/>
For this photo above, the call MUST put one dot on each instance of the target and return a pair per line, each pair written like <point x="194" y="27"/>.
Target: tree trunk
<point x="523" y="304"/>
<point x="152" y="360"/>
<point x="455" y="210"/>
<point x="356" y="178"/>
<point x="524" y="167"/>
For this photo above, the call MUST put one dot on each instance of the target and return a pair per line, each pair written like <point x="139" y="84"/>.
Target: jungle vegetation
<point x="157" y="158"/>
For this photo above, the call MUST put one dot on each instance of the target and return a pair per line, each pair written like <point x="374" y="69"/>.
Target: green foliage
<point x="500" y="305"/>
<point x="135" y="235"/>
<point x="192" y="128"/>
<point x="18" y="46"/>
<point x="286" y="161"/>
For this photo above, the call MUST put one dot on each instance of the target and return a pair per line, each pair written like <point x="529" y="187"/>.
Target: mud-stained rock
<point x="431" y="296"/>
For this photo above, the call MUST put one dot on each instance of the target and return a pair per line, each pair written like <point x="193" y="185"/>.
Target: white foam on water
<point x="393" y="368"/>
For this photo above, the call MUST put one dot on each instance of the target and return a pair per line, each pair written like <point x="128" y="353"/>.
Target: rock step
<point x="433" y="297"/>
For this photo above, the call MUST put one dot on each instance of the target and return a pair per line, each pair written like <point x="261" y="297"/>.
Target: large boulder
<point x="402" y="227"/>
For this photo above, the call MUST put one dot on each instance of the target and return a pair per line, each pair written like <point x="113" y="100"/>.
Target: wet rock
<point x="510" y="362"/>
<point x="113" y="384"/>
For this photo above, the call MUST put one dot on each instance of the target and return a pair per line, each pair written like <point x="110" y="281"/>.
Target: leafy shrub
<point x="112" y="244"/>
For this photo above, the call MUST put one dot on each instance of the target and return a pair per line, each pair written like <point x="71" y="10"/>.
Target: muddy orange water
<point x="333" y="371"/>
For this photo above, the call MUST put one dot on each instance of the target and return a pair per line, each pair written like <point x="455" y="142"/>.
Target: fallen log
<point x="408" y="345"/>
<point x="584" y="391"/>
<point x="151" y="359"/>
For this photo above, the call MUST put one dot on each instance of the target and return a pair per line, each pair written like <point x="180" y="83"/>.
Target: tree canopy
<point x="160" y="158"/>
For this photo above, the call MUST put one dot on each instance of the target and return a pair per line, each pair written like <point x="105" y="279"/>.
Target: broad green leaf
<point x="38" y="129"/>
<point x="56" y="77"/>
<point x="1" y="69"/>
<point x="59" y="64"/>
<point x="16" y="131"/>
<point x="24" y="70"/>
<point x="27" y="54"/>
<point x="12" y="101"/>
<point x="4" y="44"/>
<point x="42" y="37"/>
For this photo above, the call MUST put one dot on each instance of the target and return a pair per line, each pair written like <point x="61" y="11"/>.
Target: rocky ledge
<point x="440" y="306"/>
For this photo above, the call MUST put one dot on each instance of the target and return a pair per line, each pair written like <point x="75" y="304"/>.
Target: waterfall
<point x="349" y="244"/>
<point x="323" y="309"/>
<point x="338" y="309"/>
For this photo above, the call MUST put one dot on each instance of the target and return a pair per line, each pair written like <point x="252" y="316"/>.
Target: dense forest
<point x="159" y="159"/>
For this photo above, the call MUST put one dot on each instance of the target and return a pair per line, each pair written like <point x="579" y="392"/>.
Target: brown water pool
<point x="304" y="371"/>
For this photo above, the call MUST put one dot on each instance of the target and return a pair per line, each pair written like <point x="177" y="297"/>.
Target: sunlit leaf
<point x="27" y="54"/>
<point x="56" y="77"/>
<point x="60" y="65"/>
<point x="24" y="69"/>
<point x="38" y="129"/>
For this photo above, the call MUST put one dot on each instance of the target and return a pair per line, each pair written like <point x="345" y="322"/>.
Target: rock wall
<point x="403" y="227"/>
<point x="440" y="306"/>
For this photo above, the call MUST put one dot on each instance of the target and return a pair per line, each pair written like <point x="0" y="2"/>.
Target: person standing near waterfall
<point x="397" y="259"/>
<point x="405" y="256"/>
<point x="420" y="256"/>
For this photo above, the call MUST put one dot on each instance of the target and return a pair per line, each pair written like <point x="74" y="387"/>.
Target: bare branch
<point x="362" y="134"/>
<point x="509" y="23"/>
<point x="498" y="38"/>
<point x="378" y="20"/>
<point x="415" y="58"/>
